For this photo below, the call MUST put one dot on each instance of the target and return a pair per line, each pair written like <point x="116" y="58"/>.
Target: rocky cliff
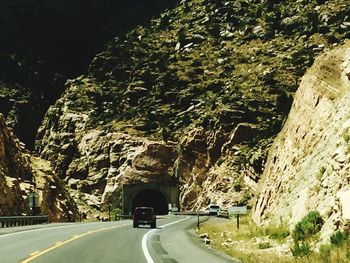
<point x="42" y="43"/>
<point x="193" y="97"/>
<point x="308" y="164"/>
<point x="21" y="174"/>
<point x="14" y="168"/>
<point x="209" y="81"/>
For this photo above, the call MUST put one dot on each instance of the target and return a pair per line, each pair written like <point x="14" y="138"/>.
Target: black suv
<point x="144" y="216"/>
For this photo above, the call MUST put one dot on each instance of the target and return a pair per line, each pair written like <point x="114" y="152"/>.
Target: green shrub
<point x="278" y="233"/>
<point x="264" y="245"/>
<point x="346" y="135"/>
<point x="325" y="252"/>
<point x="338" y="238"/>
<point x="116" y="212"/>
<point x="301" y="250"/>
<point x="307" y="227"/>
<point x="320" y="173"/>
<point x="304" y="230"/>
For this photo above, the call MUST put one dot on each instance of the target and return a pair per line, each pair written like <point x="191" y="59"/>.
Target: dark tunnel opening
<point x="152" y="198"/>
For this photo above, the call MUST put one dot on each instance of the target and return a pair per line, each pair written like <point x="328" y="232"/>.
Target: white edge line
<point x="144" y="247"/>
<point x="145" y="236"/>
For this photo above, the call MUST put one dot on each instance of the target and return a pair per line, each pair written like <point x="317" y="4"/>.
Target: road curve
<point x="105" y="242"/>
<point x="177" y="243"/>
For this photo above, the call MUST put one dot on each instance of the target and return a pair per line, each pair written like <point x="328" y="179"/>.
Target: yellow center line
<point x="34" y="253"/>
<point x="60" y="244"/>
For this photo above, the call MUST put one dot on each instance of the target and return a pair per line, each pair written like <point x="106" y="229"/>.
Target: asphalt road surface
<point x="172" y="241"/>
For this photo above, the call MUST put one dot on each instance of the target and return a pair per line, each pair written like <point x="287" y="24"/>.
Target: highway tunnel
<point x="152" y="198"/>
<point x="158" y="196"/>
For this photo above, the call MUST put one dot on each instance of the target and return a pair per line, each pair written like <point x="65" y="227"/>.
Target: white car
<point x="213" y="209"/>
<point x="223" y="213"/>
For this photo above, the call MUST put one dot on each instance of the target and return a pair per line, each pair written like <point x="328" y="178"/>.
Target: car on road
<point x="144" y="216"/>
<point x="223" y="213"/>
<point x="213" y="209"/>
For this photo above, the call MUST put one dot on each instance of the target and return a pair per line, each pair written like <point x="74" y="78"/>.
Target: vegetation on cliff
<point x="43" y="43"/>
<point x="212" y="64"/>
<point x="216" y="78"/>
<point x="22" y="174"/>
<point x="225" y="71"/>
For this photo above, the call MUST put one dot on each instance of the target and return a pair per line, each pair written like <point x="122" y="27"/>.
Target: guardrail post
<point x="198" y="221"/>
<point x="10" y="221"/>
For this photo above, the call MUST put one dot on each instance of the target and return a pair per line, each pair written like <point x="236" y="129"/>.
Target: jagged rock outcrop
<point x="96" y="163"/>
<point x="14" y="169"/>
<point x="214" y="77"/>
<point x="55" y="199"/>
<point x="21" y="174"/>
<point x="42" y="43"/>
<point x="308" y="164"/>
<point x="203" y="179"/>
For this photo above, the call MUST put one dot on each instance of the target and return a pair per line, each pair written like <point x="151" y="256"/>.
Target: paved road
<point x="103" y="242"/>
<point x="178" y="243"/>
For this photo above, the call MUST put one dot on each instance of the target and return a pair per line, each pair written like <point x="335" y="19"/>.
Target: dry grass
<point x="249" y="244"/>
<point x="252" y="244"/>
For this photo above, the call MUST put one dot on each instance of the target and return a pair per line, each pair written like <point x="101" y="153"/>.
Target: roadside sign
<point x="237" y="210"/>
<point x="33" y="200"/>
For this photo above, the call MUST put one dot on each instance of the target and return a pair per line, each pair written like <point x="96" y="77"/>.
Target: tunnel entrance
<point x="158" y="196"/>
<point x="152" y="198"/>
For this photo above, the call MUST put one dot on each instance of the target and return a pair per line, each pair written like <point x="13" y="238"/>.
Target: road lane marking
<point x="34" y="253"/>
<point x="60" y="244"/>
<point x="46" y="228"/>
<point x="145" y="236"/>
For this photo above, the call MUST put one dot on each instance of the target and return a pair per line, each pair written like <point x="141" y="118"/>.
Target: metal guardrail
<point x="188" y="213"/>
<point x="10" y="221"/>
<point x="122" y="217"/>
<point x="192" y="213"/>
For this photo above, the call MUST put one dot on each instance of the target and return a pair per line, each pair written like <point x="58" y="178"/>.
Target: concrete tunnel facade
<point x="160" y="197"/>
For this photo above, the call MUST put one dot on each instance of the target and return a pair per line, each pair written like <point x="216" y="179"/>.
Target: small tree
<point x="308" y="226"/>
<point x="303" y="231"/>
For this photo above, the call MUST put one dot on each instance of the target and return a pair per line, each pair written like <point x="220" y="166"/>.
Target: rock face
<point x="203" y="179"/>
<point x="96" y="163"/>
<point x="42" y="43"/>
<point x="21" y="174"/>
<point x="308" y="164"/>
<point x="55" y="200"/>
<point x="216" y="78"/>
<point x="14" y="168"/>
<point x="193" y="98"/>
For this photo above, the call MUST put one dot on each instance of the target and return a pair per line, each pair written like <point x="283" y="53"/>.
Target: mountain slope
<point x="308" y="164"/>
<point x="215" y="78"/>
<point x="22" y="174"/>
<point x="43" y="43"/>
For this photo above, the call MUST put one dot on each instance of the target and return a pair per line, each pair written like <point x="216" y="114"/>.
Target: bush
<point x="325" y="252"/>
<point x="305" y="230"/>
<point x="278" y="233"/>
<point x="300" y="250"/>
<point x="338" y="238"/>
<point x="307" y="227"/>
<point x="264" y="245"/>
<point x="116" y="212"/>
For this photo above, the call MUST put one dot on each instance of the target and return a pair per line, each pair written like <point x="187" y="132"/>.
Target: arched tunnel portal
<point x="160" y="197"/>
<point x="152" y="198"/>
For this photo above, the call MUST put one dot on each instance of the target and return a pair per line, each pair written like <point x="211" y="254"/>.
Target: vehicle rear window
<point x="214" y="207"/>
<point x="144" y="210"/>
